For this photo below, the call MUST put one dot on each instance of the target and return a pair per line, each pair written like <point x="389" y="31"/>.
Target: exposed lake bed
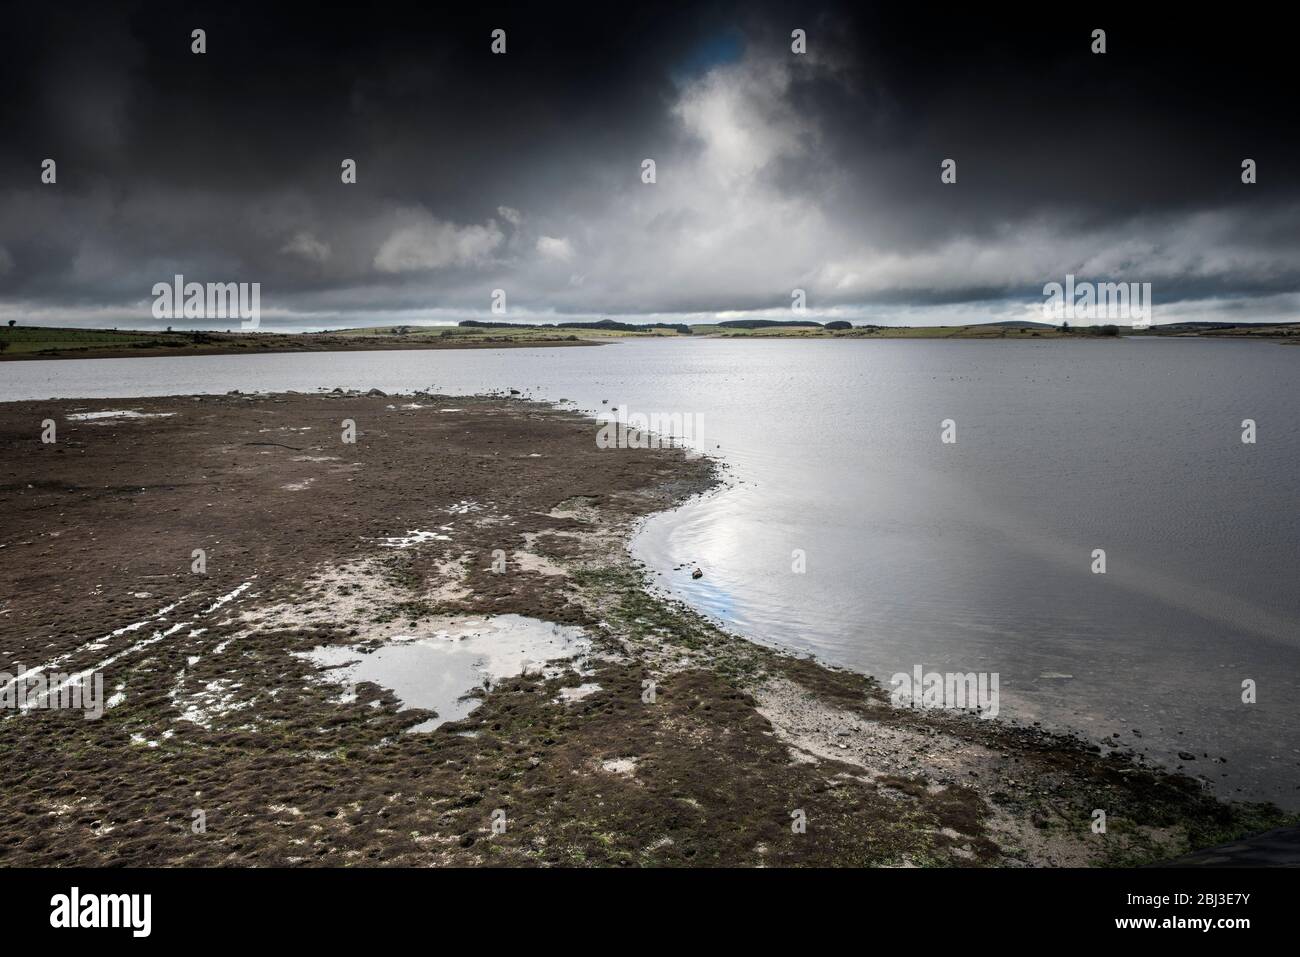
<point x="670" y="741"/>
<point x="974" y="556"/>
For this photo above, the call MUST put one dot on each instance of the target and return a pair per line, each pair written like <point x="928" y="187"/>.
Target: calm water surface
<point x="974" y="556"/>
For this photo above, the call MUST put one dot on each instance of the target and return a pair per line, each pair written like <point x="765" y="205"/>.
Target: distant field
<point x="522" y="333"/>
<point x="21" y="340"/>
<point x="29" y="342"/>
<point x="881" y="332"/>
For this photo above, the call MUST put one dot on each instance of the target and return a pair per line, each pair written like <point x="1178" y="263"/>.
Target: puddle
<point x="624" y="766"/>
<point x="117" y="414"/>
<point x="450" y="657"/>
<point x="570" y="695"/>
<point x="414" y="536"/>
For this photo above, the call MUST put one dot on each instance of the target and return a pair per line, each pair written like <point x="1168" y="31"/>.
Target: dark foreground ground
<point x="215" y="717"/>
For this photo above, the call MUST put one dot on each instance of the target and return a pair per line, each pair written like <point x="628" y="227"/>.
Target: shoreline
<point x="224" y="714"/>
<point x="34" y="342"/>
<point x="290" y="348"/>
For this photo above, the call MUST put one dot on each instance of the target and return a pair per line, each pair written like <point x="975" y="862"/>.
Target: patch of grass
<point x="21" y="340"/>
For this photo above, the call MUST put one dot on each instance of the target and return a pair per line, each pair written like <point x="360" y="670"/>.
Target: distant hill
<point x="766" y="323"/>
<point x="612" y="324"/>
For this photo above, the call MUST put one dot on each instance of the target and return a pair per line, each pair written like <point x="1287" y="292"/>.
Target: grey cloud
<point x="522" y="172"/>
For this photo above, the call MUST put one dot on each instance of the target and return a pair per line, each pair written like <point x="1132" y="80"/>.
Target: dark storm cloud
<point x="522" y="171"/>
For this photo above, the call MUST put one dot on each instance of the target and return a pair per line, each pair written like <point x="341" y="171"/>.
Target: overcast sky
<point x="523" y="171"/>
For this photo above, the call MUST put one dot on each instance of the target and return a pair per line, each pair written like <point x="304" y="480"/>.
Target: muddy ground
<point x="675" y="743"/>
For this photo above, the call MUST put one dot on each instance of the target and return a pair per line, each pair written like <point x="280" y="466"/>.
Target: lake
<point x="849" y="530"/>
